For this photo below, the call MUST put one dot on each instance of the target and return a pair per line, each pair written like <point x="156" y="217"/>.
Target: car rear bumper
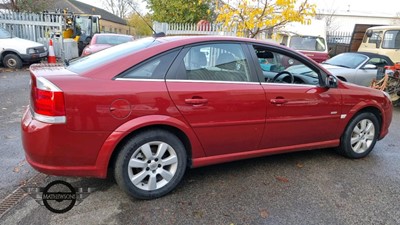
<point x="55" y="150"/>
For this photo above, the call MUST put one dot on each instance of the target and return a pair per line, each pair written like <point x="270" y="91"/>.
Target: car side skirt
<point x="205" y="161"/>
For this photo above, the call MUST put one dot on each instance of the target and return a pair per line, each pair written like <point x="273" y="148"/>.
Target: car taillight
<point x="86" y="52"/>
<point x="47" y="101"/>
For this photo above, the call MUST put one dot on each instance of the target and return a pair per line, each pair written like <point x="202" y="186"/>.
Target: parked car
<point x="309" y="39"/>
<point x="149" y="109"/>
<point x="383" y="40"/>
<point x="103" y="41"/>
<point x="355" y="67"/>
<point x="14" y="52"/>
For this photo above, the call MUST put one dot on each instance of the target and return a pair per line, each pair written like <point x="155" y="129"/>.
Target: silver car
<point x="356" y="67"/>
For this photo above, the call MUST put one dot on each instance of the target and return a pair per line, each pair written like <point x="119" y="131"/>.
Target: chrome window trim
<point x="139" y="79"/>
<point x="288" y="84"/>
<point x="213" y="81"/>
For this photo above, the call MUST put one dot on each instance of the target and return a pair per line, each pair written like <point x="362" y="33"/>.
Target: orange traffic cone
<point x="51" y="58"/>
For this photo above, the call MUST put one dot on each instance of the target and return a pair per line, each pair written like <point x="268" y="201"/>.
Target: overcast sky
<point x="364" y="6"/>
<point x="356" y="6"/>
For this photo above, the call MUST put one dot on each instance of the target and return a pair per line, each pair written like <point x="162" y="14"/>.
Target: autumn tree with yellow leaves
<point x="250" y="17"/>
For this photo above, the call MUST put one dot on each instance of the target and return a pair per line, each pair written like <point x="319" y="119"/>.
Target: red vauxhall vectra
<point x="149" y="109"/>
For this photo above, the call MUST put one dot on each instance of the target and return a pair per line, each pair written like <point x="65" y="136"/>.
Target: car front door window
<point x="280" y="68"/>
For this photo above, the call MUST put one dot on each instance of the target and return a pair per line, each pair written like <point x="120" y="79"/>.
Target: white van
<point x="307" y="39"/>
<point x="383" y="40"/>
<point x="14" y="52"/>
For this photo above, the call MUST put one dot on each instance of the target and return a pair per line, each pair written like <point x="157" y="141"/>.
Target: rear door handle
<point x="196" y="101"/>
<point x="278" y="101"/>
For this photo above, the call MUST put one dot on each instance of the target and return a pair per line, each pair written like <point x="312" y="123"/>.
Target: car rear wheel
<point x="151" y="164"/>
<point x="12" y="61"/>
<point x="360" y="136"/>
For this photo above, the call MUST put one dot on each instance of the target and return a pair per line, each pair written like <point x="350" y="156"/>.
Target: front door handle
<point x="278" y="101"/>
<point x="196" y="101"/>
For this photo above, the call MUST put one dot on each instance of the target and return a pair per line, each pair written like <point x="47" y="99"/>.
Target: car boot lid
<point x="49" y="69"/>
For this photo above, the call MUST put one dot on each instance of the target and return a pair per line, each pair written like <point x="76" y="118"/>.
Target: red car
<point x="149" y="109"/>
<point x="103" y="41"/>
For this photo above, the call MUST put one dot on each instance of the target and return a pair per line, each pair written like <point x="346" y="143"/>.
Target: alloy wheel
<point x="362" y="136"/>
<point x="152" y="165"/>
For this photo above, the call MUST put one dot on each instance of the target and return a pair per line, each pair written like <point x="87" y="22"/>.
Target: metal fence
<point x="338" y="42"/>
<point x="337" y="37"/>
<point x="192" y="29"/>
<point x="35" y="27"/>
<point x="31" y="26"/>
<point x="201" y="29"/>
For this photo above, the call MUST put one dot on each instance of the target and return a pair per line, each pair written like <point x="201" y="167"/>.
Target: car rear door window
<point x="217" y="62"/>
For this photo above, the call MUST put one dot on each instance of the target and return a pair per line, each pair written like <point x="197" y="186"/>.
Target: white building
<point x="344" y="20"/>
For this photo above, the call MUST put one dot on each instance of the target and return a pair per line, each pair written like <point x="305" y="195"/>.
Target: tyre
<point x="151" y="164"/>
<point x="360" y="136"/>
<point x="12" y="61"/>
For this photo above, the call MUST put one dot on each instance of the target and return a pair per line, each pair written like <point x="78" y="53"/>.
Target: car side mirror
<point x="369" y="66"/>
<point x="331" y="82"/>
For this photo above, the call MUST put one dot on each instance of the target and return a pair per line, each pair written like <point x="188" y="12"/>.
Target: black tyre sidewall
<point x="345" y="145"/>
<point x="121" y="165"/>
<point x="16" y="58"/>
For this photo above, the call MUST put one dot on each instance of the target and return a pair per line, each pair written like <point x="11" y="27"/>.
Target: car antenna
<point x="155" y="34"/>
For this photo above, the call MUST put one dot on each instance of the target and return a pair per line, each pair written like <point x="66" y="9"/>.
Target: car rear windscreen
<point x="84" y="64"/>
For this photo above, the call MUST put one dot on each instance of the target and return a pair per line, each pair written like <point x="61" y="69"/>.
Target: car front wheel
<point x="360" y="136"/>
<point x="12" y="61"/>
<point x="151" y="164"/>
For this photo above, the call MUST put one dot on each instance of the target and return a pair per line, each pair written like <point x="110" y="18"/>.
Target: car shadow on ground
<point x="275" y="167"/>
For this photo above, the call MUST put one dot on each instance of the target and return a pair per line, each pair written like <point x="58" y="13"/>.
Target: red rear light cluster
<point x="47" y="101"/>
<point x="86" y="52"/>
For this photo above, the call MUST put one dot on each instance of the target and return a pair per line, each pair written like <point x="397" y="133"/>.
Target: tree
<point x="329" y="17"/>
<point x="28" y="5"/>
<point x="179" y="11"/>
<point x="140" y="26"/>
<point x="121" y="8"/>
<point x="249" y="18"/>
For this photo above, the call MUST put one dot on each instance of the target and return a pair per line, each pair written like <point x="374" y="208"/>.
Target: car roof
<point x="384" y="28"/>
<point x="167" y="43"/>
<point x="111" y="34"/>
<point x="195" y="39"/>
<point x="372" y="55"/>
